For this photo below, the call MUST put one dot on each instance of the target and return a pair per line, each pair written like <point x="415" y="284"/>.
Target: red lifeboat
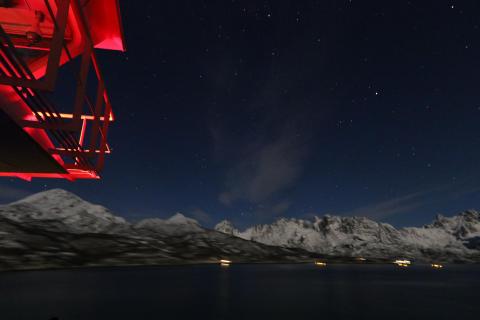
<point x="39" y="139"/>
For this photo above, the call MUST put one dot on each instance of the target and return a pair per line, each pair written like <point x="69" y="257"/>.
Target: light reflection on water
<point x="243" y="292"/>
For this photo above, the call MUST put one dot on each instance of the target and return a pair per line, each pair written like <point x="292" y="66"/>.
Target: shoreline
<point x="210" y="263"/>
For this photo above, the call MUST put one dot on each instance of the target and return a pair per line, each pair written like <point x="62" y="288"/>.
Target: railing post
<point x="56" y="46"/>
<point x="81" y="86"/>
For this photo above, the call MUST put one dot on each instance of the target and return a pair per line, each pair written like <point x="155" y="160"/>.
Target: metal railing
<point x="68" y="131"/>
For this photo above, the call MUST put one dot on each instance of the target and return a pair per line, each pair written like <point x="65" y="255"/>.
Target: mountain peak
<point x="464" y="225"/>
<point x="58" y="208"/>
<point x="471" y="214"/>
<point x="225" y="226"/>
<point x="48" y="195"/>
<point x="179" y="218"/>
<point x="178" y="224"/>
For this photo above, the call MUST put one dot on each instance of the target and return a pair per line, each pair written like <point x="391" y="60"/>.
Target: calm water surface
<point x="243" y="292"/>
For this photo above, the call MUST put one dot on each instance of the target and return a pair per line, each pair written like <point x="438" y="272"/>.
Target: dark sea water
<point x="243" y="292"/>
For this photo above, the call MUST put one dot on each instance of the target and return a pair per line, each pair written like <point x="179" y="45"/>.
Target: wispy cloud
<point x="281" y="207"/>
<point x="390" y="207"/>
<point x="261" y="167"/>
<point x="411" y="202"/>
<point x="201" y="216"/>
<point x="268" y="169"/>
<point x="263" y="158"/>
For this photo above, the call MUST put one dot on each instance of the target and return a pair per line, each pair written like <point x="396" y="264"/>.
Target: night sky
<point x="252" y="110"/>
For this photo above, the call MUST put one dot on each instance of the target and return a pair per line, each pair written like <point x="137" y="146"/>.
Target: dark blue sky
<point x="250" y="110"/>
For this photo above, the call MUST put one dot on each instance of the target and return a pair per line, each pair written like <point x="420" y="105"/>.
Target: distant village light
<point x="225" y="263"/>
<point x="402" y="262"/>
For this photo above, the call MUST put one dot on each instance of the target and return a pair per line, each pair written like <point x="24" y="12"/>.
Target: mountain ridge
<point x="444" y="238"/>
<point x="56" y="228"/>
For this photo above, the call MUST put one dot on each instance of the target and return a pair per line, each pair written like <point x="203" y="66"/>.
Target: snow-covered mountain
<point x="60" y="210"/>
<point x="454" y="238"/>
<point x="56" y="228"/>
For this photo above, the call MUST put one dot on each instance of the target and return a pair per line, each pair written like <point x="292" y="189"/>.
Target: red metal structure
<point x="37" y="37"/>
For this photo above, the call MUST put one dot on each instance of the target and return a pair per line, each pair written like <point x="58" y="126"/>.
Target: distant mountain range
<point x="446" y="239"/>
<point x="56" y="228"/>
